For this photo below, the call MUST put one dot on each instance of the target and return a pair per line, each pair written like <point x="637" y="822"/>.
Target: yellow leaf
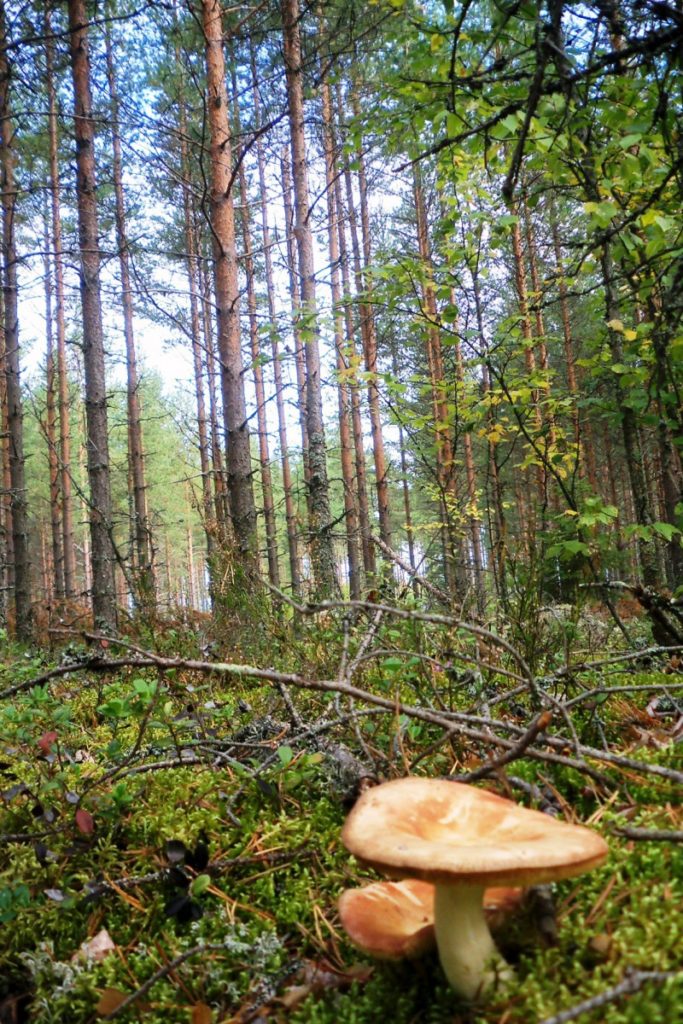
<point x="616" y="325"/>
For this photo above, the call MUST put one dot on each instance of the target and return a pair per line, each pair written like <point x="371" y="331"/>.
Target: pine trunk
<point x="18" y="505"/>
<point x="102" y="549"/>
<point x="240" y="491"/>
<point x="144" y="549"/>
<point x="322" y="554"/>
<point x="290" y="509"/>
<point x="65" y="482"/>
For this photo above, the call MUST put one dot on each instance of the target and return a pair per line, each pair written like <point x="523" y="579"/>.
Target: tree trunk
<point x="352" y="363"/>
<point x="369" y="335"/>
<point x="346" y="448"/>
<point x="445" y="465"/>
<point x="240" y="491"/>
<point x="290" y="510"/>
<point x="104" y="597"/>
<point x="51" y="430"/>
<point x="18" y="506"/>
<point x="146" y="584"/>
<point x="6" y="549"/>
<point x="322" y="554"/>
<point x="65" y="482"/>
<point x="223" y="531"/>
<point x="208" y="511"/>
<point x="257" y="365"/>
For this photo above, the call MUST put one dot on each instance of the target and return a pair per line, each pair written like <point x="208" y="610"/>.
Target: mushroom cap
<point x="390" y="920"/>
<point x="446" y="832"/>
<point x="395" y="920"/>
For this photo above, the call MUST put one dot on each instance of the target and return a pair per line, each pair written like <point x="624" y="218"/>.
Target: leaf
<point x="176" y="851"/>
<point x="200" y="885"/>
<point x="285" y="755"/>
<point x="96" y="948"/>
<point x="54" y="894"/>
<point x="199" y="857"/>
<point x="85" y="822"/>
<point x="666" y="530"/>
<point x="616" y="325"/>
<point x="110" y="1000"/>
<point x="46" y="740"/>
<point x="201" y="1014"/>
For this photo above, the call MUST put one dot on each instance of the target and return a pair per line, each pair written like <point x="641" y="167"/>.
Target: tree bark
<point x="144" y="547"/>
<point x="322" y="554"/>
<point x="257" y="367"/>
<point x="51" y="430"/>
<point x="102" y="549"/>
<point x="65" y="482"/>
<point x="18" y="505"/>
<point x="369" y="335"/>
<point x="445" y="464"/>
<point x="345" y="443"/>
<point x="290" y="509"/>
<point x="240" y="490"/>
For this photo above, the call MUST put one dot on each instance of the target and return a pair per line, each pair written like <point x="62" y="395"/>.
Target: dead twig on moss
<point x="632" y="983"/>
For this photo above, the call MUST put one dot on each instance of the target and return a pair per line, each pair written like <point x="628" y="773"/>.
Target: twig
<point x="654" y="835"/>
<point x="633" y="982"/>
<point x="436" y="592"/>
<point x="525" y="741"/>
<point x="202" y="947"/>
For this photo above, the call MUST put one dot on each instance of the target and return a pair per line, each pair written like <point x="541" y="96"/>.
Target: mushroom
<point x="395" y="920"/>
<point x="462" y="840"/>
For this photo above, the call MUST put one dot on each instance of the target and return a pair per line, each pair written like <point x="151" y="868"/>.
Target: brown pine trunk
<point x="51" y="431"/>
<point x="290" y="509"/>
<point x="65" y="482"/>
<point x="144" y="548"/>
<point x="257" y="365"/>
<point x="18" y="505"/>
<point x="346" y="447"/>
<point x="104" y="598"/>
<point x="322" y="554"/>
<point x="6" y="549"/>
<point x="240" y="491"/>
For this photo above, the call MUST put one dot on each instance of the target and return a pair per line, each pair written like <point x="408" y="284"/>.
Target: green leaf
<point x="200" y="885"/>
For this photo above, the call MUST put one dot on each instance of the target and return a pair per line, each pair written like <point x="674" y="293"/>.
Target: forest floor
<point x="191" y="821"/>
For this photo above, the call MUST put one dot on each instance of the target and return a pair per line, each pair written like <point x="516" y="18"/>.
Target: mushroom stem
<point x="467" y="952"/>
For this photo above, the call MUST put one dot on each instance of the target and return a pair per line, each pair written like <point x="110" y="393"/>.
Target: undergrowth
<point x="244" y="852"/>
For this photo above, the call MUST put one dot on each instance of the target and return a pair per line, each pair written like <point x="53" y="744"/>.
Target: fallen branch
<point x="513" y="754"/>
<point x="633" y="982"/>
<point x="653" y="835"/>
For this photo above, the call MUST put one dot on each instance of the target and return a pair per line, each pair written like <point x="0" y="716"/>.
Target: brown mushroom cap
<point x="443" y="832"/>
<point x="395" y="920"/>
<point x="390" y="920"/>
